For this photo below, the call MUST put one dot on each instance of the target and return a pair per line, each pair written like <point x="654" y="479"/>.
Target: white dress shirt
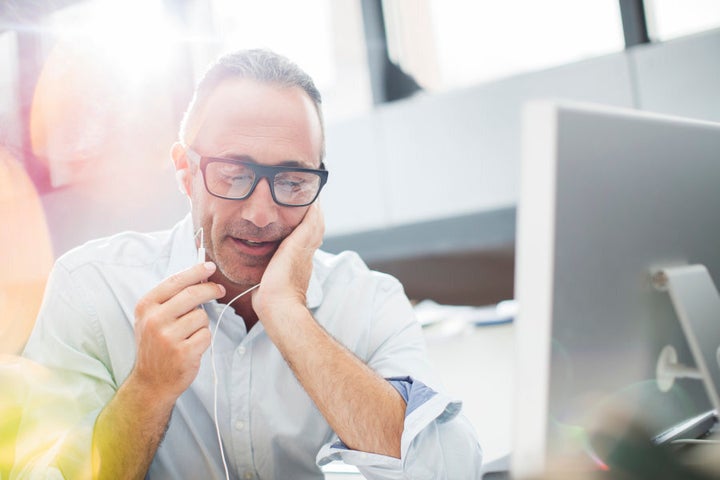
<point x="269" y="426"/>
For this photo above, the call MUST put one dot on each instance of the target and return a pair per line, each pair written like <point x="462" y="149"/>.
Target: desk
<point x="477" y="366"/>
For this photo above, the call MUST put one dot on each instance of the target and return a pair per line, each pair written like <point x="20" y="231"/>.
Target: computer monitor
<point x="608" y="196"/>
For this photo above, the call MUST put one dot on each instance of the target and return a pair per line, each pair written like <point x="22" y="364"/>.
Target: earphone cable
<point x="215" y="376"/>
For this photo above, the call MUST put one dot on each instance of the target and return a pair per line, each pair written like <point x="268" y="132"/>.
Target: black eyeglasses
<point x="237" y="179"/>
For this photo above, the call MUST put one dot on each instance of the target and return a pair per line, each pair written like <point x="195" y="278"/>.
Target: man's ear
<point x="182" y="168"/>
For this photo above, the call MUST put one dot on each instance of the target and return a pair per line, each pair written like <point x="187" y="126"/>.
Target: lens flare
<point x="46" y="421"/>
<point x="104" y="101"/>
<point x="25" y="254"/>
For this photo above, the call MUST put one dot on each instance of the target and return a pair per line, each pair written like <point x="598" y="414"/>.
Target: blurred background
<point x="422" y="100"/>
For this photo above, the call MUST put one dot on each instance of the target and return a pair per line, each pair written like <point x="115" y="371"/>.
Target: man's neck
<point x="242" y="306"/>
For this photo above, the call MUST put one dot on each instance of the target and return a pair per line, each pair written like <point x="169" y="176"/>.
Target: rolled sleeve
<point x="437" y="442"/>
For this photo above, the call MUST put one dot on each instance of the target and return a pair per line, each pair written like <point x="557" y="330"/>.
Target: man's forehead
<point x="236" y="97"/>
<point x="242" y="110"/>
<point x="247" y="97"/>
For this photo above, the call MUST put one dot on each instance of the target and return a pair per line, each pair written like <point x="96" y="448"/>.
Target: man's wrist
<point x="148" y="393"/>
<point x="285" y="318"/>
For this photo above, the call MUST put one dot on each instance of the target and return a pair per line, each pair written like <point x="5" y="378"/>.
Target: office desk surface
<point x="478" y="367"/>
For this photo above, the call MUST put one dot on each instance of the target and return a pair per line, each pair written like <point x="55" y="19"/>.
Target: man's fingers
<point x="310" y="231"/>
<point x="178" y="295"/>
<point x="191" y="297"/>
<point x="174" y="284"/>
<point x="189" y="324"/>
<point x="199" y="341"/>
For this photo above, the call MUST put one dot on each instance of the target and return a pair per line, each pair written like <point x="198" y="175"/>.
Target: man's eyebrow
<point x="249" y="159"/>
<point x="239" y="157"/>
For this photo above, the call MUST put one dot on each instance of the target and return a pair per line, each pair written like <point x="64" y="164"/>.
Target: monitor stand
<point x="697" y="305"/>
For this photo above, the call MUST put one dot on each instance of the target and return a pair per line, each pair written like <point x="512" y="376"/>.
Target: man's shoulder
<point x="128" y="248"/>
<point x="346" y="261"/>
<point x="346" y="258"/>
<point x="349" y="266"/>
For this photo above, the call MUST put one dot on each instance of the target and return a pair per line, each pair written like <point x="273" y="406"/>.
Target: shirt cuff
<point x="424" y="406"/>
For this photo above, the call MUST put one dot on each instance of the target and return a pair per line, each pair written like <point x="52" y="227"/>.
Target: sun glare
<point x="136" y="40"/>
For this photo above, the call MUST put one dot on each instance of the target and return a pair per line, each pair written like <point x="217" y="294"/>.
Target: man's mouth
<point x="255" y="247"/>
<point x="252" y="244"/>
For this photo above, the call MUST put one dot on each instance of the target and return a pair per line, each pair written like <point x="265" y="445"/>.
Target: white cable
<point x="215" y="377"/>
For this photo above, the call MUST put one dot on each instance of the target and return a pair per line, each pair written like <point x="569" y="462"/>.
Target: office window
<point x="106" y="102"/>
<point x="115" y="77"/>
<point x="108" y="67"/>
<point x="324" y="37"/>
<point x="669" y="19"/>
<point x="455" y="43"/>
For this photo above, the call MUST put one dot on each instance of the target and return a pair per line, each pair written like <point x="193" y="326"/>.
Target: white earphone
<point x="180" y="176"/>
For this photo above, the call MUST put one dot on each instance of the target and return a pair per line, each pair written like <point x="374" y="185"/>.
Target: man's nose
<point x="260" y="208"/>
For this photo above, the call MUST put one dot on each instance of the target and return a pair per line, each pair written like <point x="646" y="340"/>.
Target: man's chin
<point x="244" y="275"/>
<point x="239" y="268"/>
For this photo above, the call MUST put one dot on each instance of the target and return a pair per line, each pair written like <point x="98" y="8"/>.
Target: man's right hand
<point x="171" y="332"/>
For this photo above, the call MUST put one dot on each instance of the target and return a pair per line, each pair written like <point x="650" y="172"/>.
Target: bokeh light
<point x="25" y="254"/>
<point x="105" y="99"/>
<point x="133" y="40"/>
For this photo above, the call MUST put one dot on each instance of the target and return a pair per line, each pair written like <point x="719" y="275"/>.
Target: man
<point x="323" y="360"/>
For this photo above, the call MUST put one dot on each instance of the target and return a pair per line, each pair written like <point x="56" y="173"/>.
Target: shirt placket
<point x="240" y="410"/>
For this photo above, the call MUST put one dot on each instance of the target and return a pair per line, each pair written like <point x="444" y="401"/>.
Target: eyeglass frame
<point x="260" y="171"/>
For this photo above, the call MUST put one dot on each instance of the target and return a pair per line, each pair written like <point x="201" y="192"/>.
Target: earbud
<point x="181" y="175"/>
<point x="201" y="248"/>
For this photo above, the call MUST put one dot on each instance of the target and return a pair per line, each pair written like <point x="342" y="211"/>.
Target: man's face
<point x="271" y="125"/>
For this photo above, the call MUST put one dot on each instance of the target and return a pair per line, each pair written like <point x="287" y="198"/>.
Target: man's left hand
<point x="284" y="284"/>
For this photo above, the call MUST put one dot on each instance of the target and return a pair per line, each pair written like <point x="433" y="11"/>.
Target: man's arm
<point x="363" y="409"/>
<point x="128" y="432"/>
<point x="171" y="335"/>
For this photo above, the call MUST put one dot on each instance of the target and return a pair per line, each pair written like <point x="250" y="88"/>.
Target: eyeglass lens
<point x="234" y="180"/>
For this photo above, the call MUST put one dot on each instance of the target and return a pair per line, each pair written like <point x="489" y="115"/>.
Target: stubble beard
<point x="242" y="270"/>
<point x="239" y="268"/>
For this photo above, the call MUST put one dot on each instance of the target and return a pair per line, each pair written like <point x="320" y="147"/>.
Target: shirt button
<point x="240" y="350"/>
<point x="248" y="475"/>
<point x="239" y="425"/>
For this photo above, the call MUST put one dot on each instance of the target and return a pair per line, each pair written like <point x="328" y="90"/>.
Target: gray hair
<point x="261" y="65"/>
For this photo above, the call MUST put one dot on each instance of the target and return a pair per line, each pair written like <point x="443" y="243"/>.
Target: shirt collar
<point x="184" y="254"/>
<point x="184" y="250"/>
